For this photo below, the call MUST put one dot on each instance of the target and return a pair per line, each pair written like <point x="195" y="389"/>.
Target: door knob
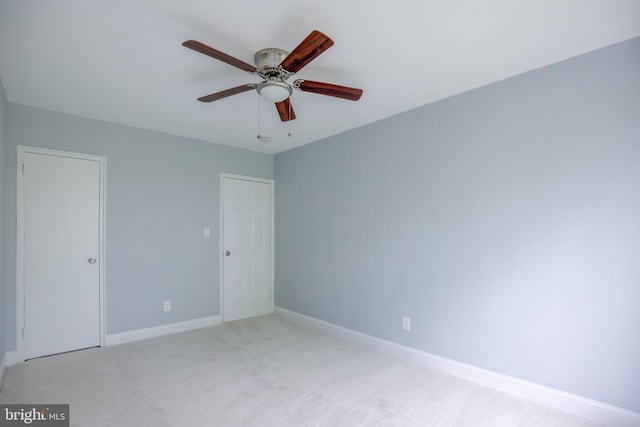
<point x="92" y="260"/>
<point x="227" y="253"/>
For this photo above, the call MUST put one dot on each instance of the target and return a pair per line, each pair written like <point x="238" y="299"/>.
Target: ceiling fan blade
<point x="225" y="93"/>
<point x="220" y="56"/>
<point x="306" y="51"/>
<point x="285" y="110"/>
<point x="329" y="89"/>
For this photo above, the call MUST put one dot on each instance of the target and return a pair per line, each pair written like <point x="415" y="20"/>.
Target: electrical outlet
<point x="167" y="306"/>
<point x="406" y="323"/>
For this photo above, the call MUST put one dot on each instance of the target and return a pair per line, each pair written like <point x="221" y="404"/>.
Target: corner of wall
<point x="3" y="157"/>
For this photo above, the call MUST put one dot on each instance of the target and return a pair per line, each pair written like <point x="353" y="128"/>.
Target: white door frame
<point x="271" y="183"/>
<point x="102" y="161"/>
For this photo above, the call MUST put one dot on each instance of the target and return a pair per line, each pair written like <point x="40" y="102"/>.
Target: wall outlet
<point x="167" y="306"/>
<point x="406" y="323"/>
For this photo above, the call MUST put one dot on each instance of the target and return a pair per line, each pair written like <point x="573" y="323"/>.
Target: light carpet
<point x="265" y="371"/>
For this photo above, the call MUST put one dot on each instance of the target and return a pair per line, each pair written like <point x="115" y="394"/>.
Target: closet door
<point x="247" y="248"/>
<point x="61" y="214"/>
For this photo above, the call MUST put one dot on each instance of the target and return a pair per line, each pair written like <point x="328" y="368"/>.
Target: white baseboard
<point x="156" y="331"/>
<point x="8" y="359"/>
<point x="587" y="408"/>
<point x="3" y="364"/>
<point x="11" y="358"/>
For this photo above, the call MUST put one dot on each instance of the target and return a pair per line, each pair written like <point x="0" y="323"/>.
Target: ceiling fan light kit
<point x="274" y="90"/>
<point x="275" y="66"/>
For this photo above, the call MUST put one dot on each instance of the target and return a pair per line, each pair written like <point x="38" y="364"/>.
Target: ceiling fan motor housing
<point x="268" y="61"/>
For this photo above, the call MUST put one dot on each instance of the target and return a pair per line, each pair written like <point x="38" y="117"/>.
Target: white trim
<point x="102" y="161"/>
<point x="3" y="364"/>
<point x="8" y="359"/>
<point x="591" y="409"/>
<point x="157" y="331"/>
<point x="271" y="183"/>
<point x="273" y="245"/>
<point x="11" y="358"/>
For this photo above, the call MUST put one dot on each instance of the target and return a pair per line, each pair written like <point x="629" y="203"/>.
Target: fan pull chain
<point x="259" y="116"/>
<point x="259" y="136"/>
<point x="289" y="134"/>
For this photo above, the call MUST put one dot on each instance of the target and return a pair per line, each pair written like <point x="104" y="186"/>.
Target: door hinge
<point x="23" y="332"/>
<point x="23" y="169"/>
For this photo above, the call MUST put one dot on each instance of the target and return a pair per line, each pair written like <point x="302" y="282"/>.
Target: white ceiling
<point x="122" y="61"/>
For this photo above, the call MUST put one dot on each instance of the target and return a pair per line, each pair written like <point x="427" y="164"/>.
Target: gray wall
<point x="504" y="221"/>
<point x="3" y="110"/>
<point x="162" y="191"/>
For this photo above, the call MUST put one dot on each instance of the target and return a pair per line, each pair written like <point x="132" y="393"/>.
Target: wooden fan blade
<point x="285" y="110"/>
<point x="225" y="93"/>
<point x="306" y="51"/>
<point x="220" y="56"/>
<point x="329" y="89"/>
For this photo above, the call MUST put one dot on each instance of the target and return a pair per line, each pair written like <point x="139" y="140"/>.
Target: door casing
<point x="20" y="260"/>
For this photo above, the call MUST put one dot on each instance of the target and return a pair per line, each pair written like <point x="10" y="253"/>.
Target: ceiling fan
<point x="275" y="66"/>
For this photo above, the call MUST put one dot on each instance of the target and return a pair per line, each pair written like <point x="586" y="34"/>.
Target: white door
<point x="247" y="248"/>
<point x="61" y="202"/>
